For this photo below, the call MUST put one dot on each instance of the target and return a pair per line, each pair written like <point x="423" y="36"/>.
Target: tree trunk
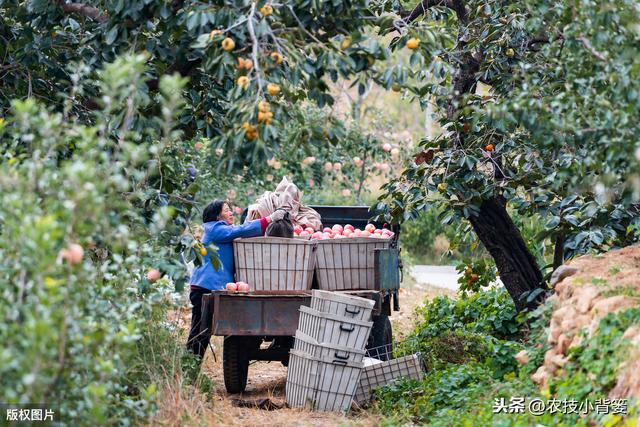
<point x="517" y="266"/>
<point x="558" y="253"/>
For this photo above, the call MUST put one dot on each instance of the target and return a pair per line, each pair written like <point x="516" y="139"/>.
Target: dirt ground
<point x="267" y="380"/>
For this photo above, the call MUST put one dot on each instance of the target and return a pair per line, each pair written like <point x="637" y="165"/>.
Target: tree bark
<point x="558" y="252"/>
<point x="517" y="266"/>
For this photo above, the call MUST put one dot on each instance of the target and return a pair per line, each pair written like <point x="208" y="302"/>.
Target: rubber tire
<point x="381" y="334"/>
<point x="234" y="364"/>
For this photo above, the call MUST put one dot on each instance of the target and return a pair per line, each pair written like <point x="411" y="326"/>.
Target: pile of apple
<point x="340" y="232"/>
<point x="237" y="287"/>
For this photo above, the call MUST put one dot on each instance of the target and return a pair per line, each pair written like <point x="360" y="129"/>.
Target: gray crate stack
<point x="327" y="357"/>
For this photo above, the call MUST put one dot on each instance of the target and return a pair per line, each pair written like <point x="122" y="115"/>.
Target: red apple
<point x="316" y="235"/>
<point x="337" y="228"/>
<point x="243" y="287"/>
<point x="365" y="233"/>
<point x="231" y="287"/>
<point x="326" y="230"/>
<point x="349" y="227"/>
<point x="153" y="274"/>
<point x="357" y="232"/>
<point x="297" y="228"/>
<point x="386" y="147"/>
<point x="340" y="236"/>
<point x="310" y="230"/>
<point x="72" y="254"/>
<point x="370" y="228"/>
<point x="304" y="233"/>
<point x="377" y="231"/>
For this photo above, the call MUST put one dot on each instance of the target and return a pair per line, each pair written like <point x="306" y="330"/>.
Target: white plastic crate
<point x="386" y="372"/>
<point x="347" y="264"/>
<point x="333" y="329"/>
<point x="275" y="263"/>
<point x="321" y="384"/>
<point x="342" y="304"/>
<point x="325" y="351"/>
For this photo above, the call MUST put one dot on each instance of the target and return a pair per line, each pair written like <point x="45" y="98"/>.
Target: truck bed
<point x="261" y="313"/>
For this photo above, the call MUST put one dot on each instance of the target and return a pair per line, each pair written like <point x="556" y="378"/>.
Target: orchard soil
<point x="267" y="380"/>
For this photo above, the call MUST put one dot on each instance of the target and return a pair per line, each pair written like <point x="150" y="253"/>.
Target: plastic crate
<point x="342" y="305"/>
<point x="325" y="351"/>
<point x="321" y="384"/>
<point x="333" y="329"/>
<point x="346" y="264"/>
<point x="388" y="370"/>
<point x="275" y="263"/>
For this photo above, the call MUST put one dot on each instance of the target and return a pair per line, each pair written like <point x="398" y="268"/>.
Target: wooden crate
<point x="341" y="304"/>
<point x="345" y="264"/>
<point x="386" y="372"/>
<point x="275" y="263"/>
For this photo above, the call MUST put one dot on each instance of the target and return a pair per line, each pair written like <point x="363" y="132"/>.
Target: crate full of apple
<point x="345" y="256"/>
<point x="275" y="263"/>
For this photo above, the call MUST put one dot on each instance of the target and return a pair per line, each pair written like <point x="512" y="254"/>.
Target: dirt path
<point x="267" y="380"/>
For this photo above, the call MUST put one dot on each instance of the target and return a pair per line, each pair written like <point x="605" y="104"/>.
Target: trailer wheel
<point x="381" y="335"/>
<point x="235" y="364"/>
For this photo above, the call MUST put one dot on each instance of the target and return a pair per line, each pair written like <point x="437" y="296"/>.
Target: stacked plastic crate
<point x="327" y="357"/>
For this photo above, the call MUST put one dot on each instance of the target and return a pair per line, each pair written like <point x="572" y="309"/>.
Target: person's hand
<point x="277" y="215"/>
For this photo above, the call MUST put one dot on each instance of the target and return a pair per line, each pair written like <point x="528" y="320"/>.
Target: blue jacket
<point x="222" y="235"/>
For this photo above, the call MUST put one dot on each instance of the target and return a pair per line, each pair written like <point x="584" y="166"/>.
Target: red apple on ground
<point x="386" y="147"/>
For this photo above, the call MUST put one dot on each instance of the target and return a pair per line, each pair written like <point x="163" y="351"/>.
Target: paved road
<point x="441" y="276"/>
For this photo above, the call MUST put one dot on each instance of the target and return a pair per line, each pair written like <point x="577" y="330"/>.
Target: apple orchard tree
<point x="553" y="131"/>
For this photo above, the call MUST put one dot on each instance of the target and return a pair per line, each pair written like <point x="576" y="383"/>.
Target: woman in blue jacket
<point x="217" y="220"/>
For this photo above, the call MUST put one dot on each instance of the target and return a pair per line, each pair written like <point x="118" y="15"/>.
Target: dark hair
<point x="213" y="210"/>
<point x="281" y="228"/>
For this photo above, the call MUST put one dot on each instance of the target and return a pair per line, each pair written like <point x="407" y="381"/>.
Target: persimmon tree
<point x="539" y="106"/>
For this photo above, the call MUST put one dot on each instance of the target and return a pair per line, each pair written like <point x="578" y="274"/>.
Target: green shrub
<point x="73" y="331"/>
<point x="491" y="312"/>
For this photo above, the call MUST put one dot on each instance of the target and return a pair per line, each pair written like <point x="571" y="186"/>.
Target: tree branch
<point x="84" y="10"/>
<point x="587" y="44"/>
<point x="455" y="5"/>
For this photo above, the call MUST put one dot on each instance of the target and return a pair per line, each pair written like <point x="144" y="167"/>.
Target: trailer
<point x="260" y="325"/>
